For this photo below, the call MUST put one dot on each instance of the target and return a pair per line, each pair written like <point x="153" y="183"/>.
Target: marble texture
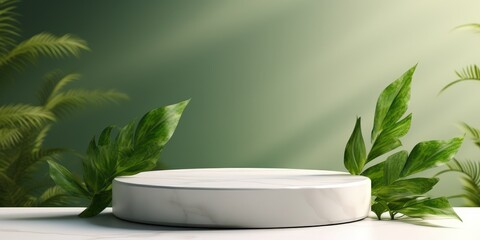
<point x="63" y="223"/>
<point x="241" y="197"/>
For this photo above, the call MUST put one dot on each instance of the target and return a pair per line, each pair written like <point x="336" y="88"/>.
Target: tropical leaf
<point x="469" y="26"/>
<point x="53" y="196"/>
<point x="376" y="174"/>
<point x="436" y="207"/>
<point x="401" y="189"/>
<point x="18" y="120"/>
<point x="66" y="180"/>
<point x="391" y="191"/>
<point x="69" y="101"/>
<point x="469" y="73"/>
<point x="389" y="138"/>
<point x="430" y="153"/>
<point x="8" y="25"/>
<point x="128" y="153"/>
<point x="24" y="116"/>
<point x="54" y="82"/>
<point x="473" y="132"/>
<point x="393" y="167"/>
<point x="9" y="137"/>
<point x="355" y="152"/>
<point x="470" y="180"/>
<point x="42" y="44"/>
<point x="392" y="103"/>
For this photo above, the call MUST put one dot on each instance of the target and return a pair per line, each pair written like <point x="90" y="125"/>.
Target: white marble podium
<point x="241" y="197"/>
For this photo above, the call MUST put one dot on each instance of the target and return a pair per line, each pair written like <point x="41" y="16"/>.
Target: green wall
<point x="272" y="83"/>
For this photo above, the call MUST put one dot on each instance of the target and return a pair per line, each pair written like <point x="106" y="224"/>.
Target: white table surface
<point x="62" y="223"/>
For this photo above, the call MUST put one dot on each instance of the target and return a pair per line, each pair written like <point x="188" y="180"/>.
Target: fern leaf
<point x="53" y="196"/>
<point x="9" y="137"/>
<point x="23" y="116"/>
<point x="53" y="84"/>
<point x="473" y="132"/>
<point x="469" y="73"/>
<point x="470" y="180"/>
<point x="43" y="44"/>
<point x="8" y="25"/>
<point x="18" y="119"/>
<point x="469" y="26"/>
<point x="40" y="138"/>
<point x="66" y="102"/>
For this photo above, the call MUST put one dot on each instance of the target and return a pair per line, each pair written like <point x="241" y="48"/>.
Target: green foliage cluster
<point x="469" y="169"/>
<point x="24" y="127"/>
<point x="133" y="150"/>
<point x="394" y="189"/>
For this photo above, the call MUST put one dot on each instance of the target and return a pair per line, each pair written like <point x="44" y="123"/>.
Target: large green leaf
<point x="158" y="125"/>
<point x="386" y="172"/>
<point x="98" y="202"/>
<point x="436" y="207"/>
<point x="392" y="103"/>
<point x="430" y="153"/>
<point x="389" y="138"/>
<point x="379" y="207"/>
<point x="393" y="167"/>
<point x="375" y="173"/>
<point x="406" y="188"/>
<point x="129" y="153"/>
<point x="355" y="152"/>
<point x="66" y="180"/>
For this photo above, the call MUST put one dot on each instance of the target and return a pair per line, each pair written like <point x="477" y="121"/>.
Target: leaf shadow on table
<point x="102" y="220"/>
<point x="438" y="223"/>
<point x="108" y="220"/>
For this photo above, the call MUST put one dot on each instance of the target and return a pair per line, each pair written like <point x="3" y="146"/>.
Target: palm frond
<point x="19" y="119"/>
<point x="40" y="138"/>
<point x="24" y="116"/>
<point x="53" y="196"/>
<point x="469" y="73"/>
<point x="8" y="25"/>
<point x="53" y="83"/>
<point x="9" y="137"/>
<point x="469" y="26"/>
<point x="66" y="102"/>
<point x="473" y="132"/>
<point x="470" y="180"/>
<point x="43" y="44"/>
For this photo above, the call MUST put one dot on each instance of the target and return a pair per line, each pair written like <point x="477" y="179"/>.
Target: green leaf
<point x="473" y="132"/>
<point x="98" y="203"/>
<point x="158" y="125"/>
<point x="393" y="166"/>
<point x="375" y="173"/>
<point x="386" y="172"/>
<point x="389" y="138"/>
<point x="469" y="73"/>
<point x="65" y="179"/>
<point x="392" y="103"/>
<point x="436" y="207"/>
<point x="131" y="152"/>
<point x="379" y="208"/>
<point x="69" y="101"/>
<point x="355" y="152"/>
<point x="470" y="171"/>
<point x="53" y="196"/>
<point x="406" y="188"/>
<point x="429" y="154"/>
